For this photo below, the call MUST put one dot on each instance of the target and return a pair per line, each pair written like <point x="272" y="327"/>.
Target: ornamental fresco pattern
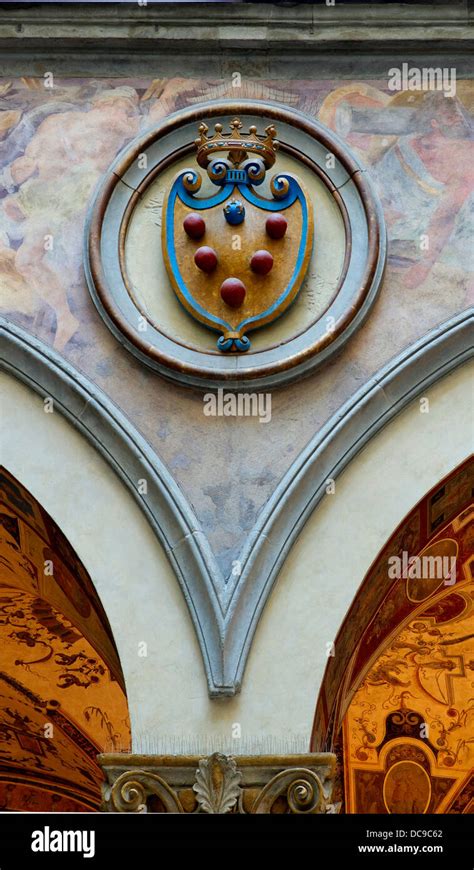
<point x="401" y="699"/>
<point x="61" y="685"/>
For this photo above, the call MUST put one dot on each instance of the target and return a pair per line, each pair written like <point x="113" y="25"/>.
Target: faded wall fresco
<point x="55" y="144"/>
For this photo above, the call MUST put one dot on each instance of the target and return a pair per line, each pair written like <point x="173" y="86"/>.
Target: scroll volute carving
<point x="300" y="789"/>
<point x="219" y="784"/>
<point x="134" y="790"/>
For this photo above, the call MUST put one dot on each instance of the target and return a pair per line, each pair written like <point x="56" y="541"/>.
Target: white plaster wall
<point x="117" y="546"/>
<point x="167" y="691"/>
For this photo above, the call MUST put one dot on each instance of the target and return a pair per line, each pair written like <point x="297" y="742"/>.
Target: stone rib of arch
<point x="225" y="617"/>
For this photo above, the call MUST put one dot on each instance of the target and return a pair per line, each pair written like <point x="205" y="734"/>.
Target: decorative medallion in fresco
<point x="251" y="251"/>
<point x="397" y="702"/>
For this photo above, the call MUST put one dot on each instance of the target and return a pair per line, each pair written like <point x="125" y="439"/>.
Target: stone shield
<point x="236" y="259"/>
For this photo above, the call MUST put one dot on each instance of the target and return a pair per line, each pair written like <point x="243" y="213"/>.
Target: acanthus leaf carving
<point x="217" y="785"/>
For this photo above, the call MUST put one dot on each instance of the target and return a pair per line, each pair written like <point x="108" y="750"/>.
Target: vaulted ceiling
<point x="398" y="698"/>
<point x="62" y="698"/>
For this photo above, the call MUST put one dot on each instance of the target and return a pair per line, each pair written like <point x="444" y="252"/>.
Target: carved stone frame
<point x="126" y="182"/>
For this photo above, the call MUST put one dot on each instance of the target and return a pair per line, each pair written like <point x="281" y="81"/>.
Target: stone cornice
<point x="219" y="26"/>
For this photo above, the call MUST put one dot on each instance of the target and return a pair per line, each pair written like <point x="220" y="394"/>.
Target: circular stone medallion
<point x="253" y="163"/>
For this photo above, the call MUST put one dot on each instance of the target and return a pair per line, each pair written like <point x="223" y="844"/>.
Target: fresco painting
<point x="406" y="692"/>
<point x="62" y="699"/>
<point x="73" y="131"/>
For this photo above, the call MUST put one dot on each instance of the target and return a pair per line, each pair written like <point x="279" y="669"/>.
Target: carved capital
<point x="219" y="783"/>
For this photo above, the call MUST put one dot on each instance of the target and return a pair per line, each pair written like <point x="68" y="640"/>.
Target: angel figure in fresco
<point x="54" y="153"/>
<point x="440" y="160"/>
<point x="52" y="160"/>
<point x="420" y="150"/>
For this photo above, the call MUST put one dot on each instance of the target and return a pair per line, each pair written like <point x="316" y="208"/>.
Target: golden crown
<point x="237" y="144"/>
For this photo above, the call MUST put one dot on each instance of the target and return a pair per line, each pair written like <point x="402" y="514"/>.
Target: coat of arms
<point x="236" y="258"/>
